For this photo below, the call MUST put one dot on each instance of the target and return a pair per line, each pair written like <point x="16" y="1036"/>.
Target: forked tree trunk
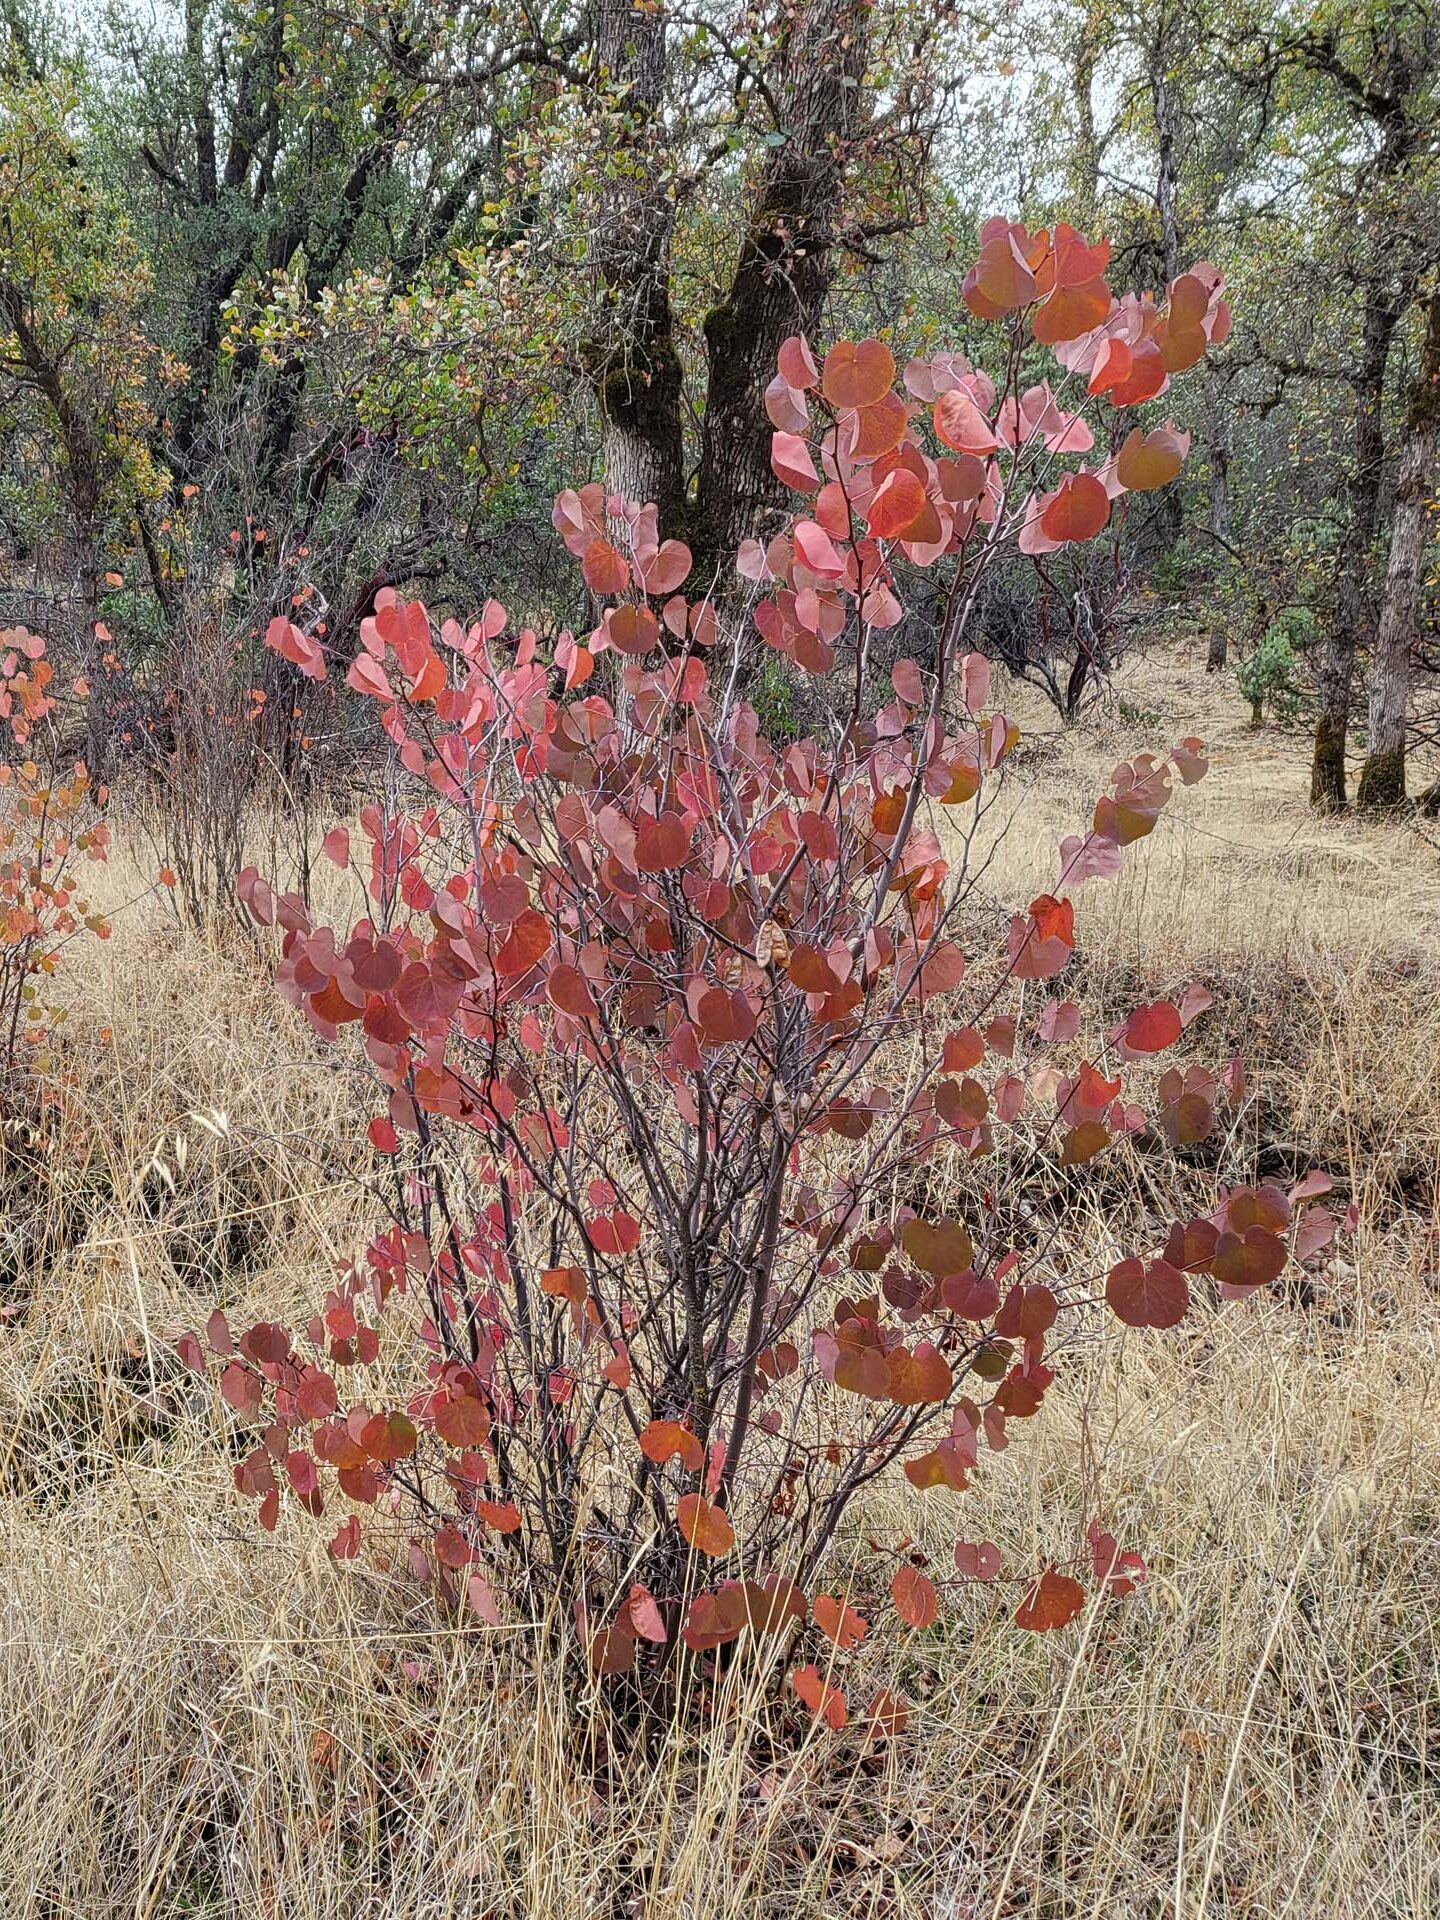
<point x="1337" y="656"/>
<point x="782" y="276"/>
<point x="789" y="239"/>
<point x="631" y="356"/>
<point x="1382" y="779"/>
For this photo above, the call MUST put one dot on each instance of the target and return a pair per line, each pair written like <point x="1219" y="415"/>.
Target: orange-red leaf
<point x="632" y="630"/>
<point x="388" y="1437"/>
<point x="565" y="1283"/>
<point x="1002" y="277"/>
<point x="917" y="1379"/>
<point x="662" y="844"/>
<point x="838" y="1622"/>
<point x="915" y="1598"/>
<point x="463" y="1421"/>
<point x="606" y="571"/>
<point x="857" y="373"/>
<point x="886" y="1716"/>
<point x="1151" y="1028"/>
<point x="568" y="990"/>
<point x="1112" y="366"/>
<point x="1078" y="511"/>
<point x="1071" y="312"/>
<point x="1052" y="1602"/>
<point x="823" y="1700"/>
<point x="705" y="1526"/>
<point x="661" y="1440"/>
<point x="527" y="943"/>
<point x="899" y="501"/>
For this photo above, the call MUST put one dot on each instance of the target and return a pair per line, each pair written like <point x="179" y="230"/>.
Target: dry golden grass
<point x="1239" y="871"/>
<point x="198" y="1720"/>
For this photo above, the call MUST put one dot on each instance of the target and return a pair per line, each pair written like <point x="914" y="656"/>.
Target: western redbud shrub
<point x="50" y="827"/>
<point x="703" y="1108"/>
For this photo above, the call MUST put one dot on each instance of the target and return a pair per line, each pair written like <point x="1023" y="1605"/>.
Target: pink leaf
<point x="791" y="462"/>
<point x="366" y="675"/>
<point x="645" y="1615"/>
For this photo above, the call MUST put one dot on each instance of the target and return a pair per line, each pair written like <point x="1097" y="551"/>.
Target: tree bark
<point x="1382" y="779"/>
<point x="1171" y="518"/>
<point x="1347" y="627"/>
<point x="79" y="433"/>
<point x="1217" y="435"/>
<point x="1392" y="272"/>
<point x="1166" y="171"/>
<point x="782" y="276"/>
<point x="1086" y="49"/>
<point x="631" y="356"/>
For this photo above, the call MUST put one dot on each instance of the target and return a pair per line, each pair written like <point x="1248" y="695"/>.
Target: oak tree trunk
<point x="79" y="434"/>
<point x="1217" y="436"/>
<point x="1171" y="517"/>
<point x="1382" y="779"/>
<point x="782" y="276"/>
<point x="1347" y="627"/>
<point x="631" y="356"/>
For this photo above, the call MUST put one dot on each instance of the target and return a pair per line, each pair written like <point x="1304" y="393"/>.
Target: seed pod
<point x="772" y="949"/>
